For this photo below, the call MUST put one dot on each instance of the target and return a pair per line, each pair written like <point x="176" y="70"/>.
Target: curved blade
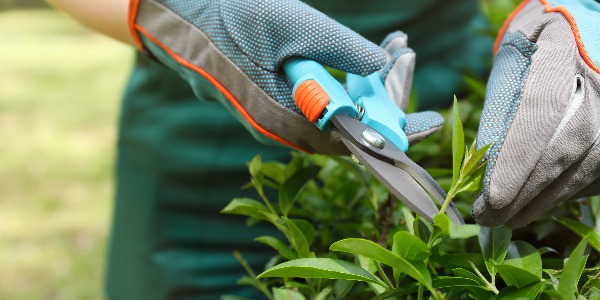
<point x="390" y="156"/>
<point x="401" y="184"/>
<point x="428" y="183"/>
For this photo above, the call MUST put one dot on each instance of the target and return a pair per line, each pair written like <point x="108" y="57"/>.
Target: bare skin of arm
<point x="105" y="16"/>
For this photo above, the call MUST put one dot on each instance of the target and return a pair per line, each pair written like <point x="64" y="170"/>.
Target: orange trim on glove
<point x="548" y="9"/>
<point x="220" y="87"/>
<point x="506" y="23"/>
<point x="563" y="10"/>
<point x="131" y="14"/>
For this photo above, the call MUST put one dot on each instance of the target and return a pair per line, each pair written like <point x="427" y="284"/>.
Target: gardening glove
<point x="542" y="112"/>
<point x="397" y="76"/>
<point x="239" y="47"/>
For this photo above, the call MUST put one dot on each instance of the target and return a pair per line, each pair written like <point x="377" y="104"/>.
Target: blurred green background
<point x="60" y="86"/>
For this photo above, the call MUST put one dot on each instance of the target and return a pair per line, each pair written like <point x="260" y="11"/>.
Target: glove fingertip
<point x="422" y="121"/>
<point x="395" y="40"/>
<point x="421" y="125"/>
<point x="484" y="215"/>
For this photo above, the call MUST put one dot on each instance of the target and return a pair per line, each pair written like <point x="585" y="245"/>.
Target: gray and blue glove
<point x="542" y="112"/>
<point x="238" y="46"/>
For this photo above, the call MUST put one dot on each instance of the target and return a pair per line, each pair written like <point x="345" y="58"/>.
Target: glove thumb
<point x="421" y="125"/>
<point x="397" y="74"/>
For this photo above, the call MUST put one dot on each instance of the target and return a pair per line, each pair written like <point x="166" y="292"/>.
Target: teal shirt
<point x="181" y="160"/>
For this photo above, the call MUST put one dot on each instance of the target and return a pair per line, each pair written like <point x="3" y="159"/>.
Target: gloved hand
<point x="542" y="112"/>
<point x="397" y="76"/>
<point x="239" y="46"/>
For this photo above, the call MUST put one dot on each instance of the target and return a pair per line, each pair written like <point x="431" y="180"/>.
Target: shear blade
<point x="402" y="176"/>
<point x="400" y="183"/>
<point x="427" y="182"/>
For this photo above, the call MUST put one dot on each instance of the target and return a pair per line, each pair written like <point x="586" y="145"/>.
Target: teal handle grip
<point x="299" y="71"/>
<point x="380" y="112"/>
<point x="312" y="83"/>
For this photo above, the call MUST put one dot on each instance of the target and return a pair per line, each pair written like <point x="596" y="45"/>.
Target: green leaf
<point x="515" y="276"/>
<point x="525" y="256"/>
<point x="531" y="291"/>
<point x="522" y="265"/>
<point x="324" y="293"/>
<point x="441" y="222"/>
<point x="375" y="252"/>
<point x="459" y="260"/>
<point x="278" y="245"/>
<point x="422" y="228"/>
<point x="320" y="268"/>
<point x="584" y="231"/>
<point x="455" y="231"/>
<point x="458" y="143"/>
<point x="409" y="246"/>
<point x="409" y="219"/>
<point x="437" y="283"/>
<point x="567" y="286"/>
<point x="472" y="182"/>
<point x="494" y="242"/>
<point x="307" y="229"/>
<point x="476" y="160"/>
<point x="449" y="281"/>
<point x="248" y="207"/>
<point x="544" y="250"/>
<point x="595" y="205"/>
<point x="297" y="238"/>
<point x="352" y="168"/>
<point x="291" y="188"/>
<point x="255" y="166"/>
<point x="285" y="294"/>
<point x="464" y="231"/>
<point x="460" y="272"/>
<point x="405" y="290"/>
<point x="274" y="170"/>
<point x="369" y="265"/>
<point x="341" y="288"/>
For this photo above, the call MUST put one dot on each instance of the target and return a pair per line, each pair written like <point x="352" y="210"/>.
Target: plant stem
<point x="451" y="195"/>
<point x="384" y="276"/>
<point x="261" y="193"/>
<point x="259" y="285"/>
<point x="487" y="283"/>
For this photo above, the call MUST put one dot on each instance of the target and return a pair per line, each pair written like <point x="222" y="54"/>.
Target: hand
<point x="397" y="75"/>
<point x="541" y="113"/>
<point x="239" y="47"/>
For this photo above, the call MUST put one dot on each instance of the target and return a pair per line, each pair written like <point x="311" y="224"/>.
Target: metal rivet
<point x="373" y="138"/>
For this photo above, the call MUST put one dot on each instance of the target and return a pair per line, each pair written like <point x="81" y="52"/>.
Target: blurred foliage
<point x="18" y="4"/>
<point x="59" y="94"/>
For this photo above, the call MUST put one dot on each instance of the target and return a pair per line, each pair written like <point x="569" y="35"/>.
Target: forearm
<point x="105" y="16"/>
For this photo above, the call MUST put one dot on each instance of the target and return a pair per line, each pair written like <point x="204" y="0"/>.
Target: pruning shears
<point x="371" y="126"/>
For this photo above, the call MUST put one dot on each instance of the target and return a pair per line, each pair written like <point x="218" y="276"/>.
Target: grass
<point x="60" y="86"/>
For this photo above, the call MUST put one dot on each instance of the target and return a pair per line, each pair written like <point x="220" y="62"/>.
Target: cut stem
<point x="487" y="283"/>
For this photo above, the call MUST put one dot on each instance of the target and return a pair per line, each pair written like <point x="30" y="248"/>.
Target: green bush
<point x="348" y="238"/>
